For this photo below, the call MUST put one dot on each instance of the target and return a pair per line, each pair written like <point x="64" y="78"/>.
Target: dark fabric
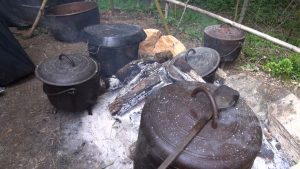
<point x="14" y="62"/>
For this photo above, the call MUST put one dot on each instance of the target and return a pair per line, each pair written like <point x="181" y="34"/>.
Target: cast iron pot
<point x="29" y="9"/>
<point x="203" y="60"/>
<point x="225" y="39"/>
<point x="226" y="134"/>
<point x="113" y="45"/>
<point x="66" y="21"/>
<point x="71" y="82"/>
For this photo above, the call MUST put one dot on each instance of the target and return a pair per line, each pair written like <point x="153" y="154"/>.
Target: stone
<point x="169" y="43"/>
<point x="278" y="106"/>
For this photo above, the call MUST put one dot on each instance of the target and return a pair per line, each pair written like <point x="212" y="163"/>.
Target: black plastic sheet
<point x="14" y="62"/>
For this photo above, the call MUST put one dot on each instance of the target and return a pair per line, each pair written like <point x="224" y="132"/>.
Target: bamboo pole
<point x="37" y="19"/>
<point x="240" y="26"/>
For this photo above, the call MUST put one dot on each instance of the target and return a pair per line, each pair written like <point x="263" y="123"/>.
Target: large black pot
<point x="113" y="45"/>
<point x="198" y="125"/>
<point x="225" y="39"/>
<point x="71" y="82"/>
<point x="66" y="21"/>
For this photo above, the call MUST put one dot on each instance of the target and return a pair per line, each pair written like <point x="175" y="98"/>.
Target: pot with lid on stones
<point x="71" y="82"/>
<point x="192" y="125"/>
<point x="225" y="39"/>
<point x="113" y="45"/>
<point x="203" y="60"/>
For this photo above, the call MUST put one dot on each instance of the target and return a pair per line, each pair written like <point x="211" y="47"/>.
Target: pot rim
<point x="68" y="84"/>
<point x="215" y="37"/>
<point x="74" y="13"/>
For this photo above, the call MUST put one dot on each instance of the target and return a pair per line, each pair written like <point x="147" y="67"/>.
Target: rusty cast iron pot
<point x="66" y="21"/>
<point x="231" y="140"/>
<point x="225" y="39"/>
<point x="71" y="82"/>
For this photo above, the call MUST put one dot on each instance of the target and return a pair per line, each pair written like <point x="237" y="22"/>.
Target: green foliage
<point x="283" y="68"/>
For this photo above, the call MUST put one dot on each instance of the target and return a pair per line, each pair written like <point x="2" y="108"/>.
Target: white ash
<point x="114" y="136"/>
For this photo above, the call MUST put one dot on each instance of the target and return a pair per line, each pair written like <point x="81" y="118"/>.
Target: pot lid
<point x="224" y="32"/>
<point x="66" y="70"/>
<point x="114" y="35"/>
<point x="202" y="59"/>
<point x="167" y="119"/>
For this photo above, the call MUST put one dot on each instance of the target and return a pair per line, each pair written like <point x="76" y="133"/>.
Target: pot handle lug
<point x="188" y="52"/>
<point x="195" y="130"/>
<point x="70" y="60"/>
<point x="71" y="91"/>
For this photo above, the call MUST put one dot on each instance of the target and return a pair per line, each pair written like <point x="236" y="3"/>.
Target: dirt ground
<point x="30" y="134"/>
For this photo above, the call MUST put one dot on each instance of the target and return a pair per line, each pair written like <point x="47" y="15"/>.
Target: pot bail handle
<point x="71" y="91"/>
<point x="195" y="130"/>
<point x="212" y="101"/>
<point x="233" y="50"/>
<point x="70" y="60"/>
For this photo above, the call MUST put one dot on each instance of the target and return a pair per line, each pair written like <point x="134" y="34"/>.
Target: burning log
<point x="135" y="95"/>
<point x="146" y="75"/>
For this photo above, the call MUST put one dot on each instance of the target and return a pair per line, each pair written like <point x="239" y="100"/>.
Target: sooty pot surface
<point x="167" y="119"/>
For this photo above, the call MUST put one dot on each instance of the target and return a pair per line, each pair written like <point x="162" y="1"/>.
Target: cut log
<point x="286" y="135"/>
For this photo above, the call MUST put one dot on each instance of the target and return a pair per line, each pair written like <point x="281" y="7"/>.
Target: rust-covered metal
<point x="166" y="121"/>
<point x="225" y="39"/>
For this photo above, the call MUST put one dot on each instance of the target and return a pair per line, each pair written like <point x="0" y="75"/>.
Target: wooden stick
<point x="240" y="26"/>
<point x="243" y="10"/>
<point x="236" y="9"/>
<point x="182" y="14"/>
<point x="37" y="19"/>
<point x="167" y="9"/>
<point x="162" y="17"/>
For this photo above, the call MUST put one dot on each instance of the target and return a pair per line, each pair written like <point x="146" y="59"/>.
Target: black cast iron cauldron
<point x="113" y="45"/>
<point x="225" y="39"/>
<point x="230" y="141"/>
<point x="71" y="82"/>
<point x="66" y="21"/>
<point x="203" y="60"/>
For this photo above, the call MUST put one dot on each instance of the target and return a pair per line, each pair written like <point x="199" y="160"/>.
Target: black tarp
<point x="14" y="62"/>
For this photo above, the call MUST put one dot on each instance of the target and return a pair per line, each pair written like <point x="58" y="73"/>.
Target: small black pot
<point x="204" y="61"/>
<point x="66" y="21"/>
<point x="225" y="39"/>
<point x="71" y="82"/>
